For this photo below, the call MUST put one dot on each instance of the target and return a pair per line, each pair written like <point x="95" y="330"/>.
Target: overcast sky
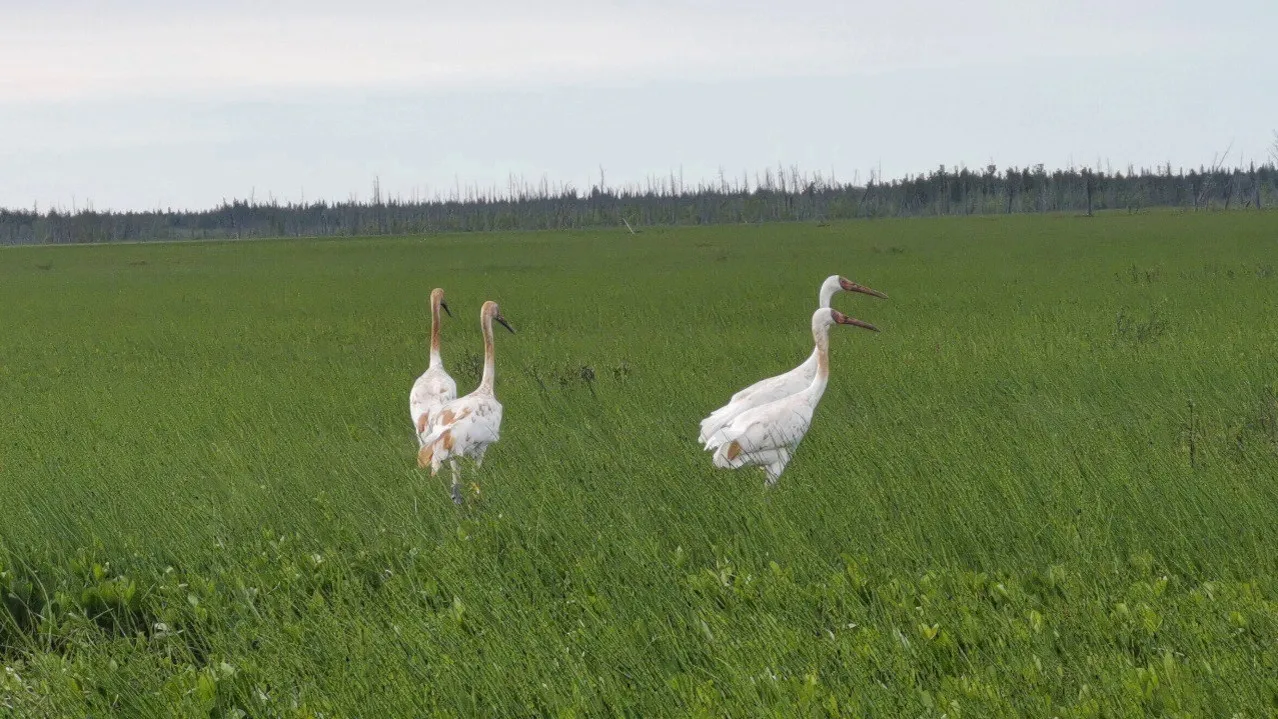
<point x="181" y="103"/>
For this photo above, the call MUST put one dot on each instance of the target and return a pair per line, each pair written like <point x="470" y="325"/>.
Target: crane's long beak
<point x="502" y="320"/>
<point x="850" y="286"/>
<point x="845" y="320"/>
<point x="445" y="306"/>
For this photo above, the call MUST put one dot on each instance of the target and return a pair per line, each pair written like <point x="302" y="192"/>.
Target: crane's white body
<point x="759" y="394"/>
<point x="430" y="392"/>
<point x="463" y="427"/>
<point x="434" y="387"/>
<point x="466" y="426"/>
<point x="767" y="434"/>
<point x="782" y="385"/>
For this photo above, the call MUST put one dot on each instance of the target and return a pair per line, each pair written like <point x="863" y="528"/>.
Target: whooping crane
<point x="466" y="426"/>
<point x="782" y="385"/>
<point x="434" y="387"/>
<point x="767" y="435"/>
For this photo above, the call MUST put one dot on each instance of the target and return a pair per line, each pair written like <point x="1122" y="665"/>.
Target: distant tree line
<point x="779" y="194"/>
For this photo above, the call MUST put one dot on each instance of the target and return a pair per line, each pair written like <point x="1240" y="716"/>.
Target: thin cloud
<point x="90" y="50"/>
<point x="144" y="103"/>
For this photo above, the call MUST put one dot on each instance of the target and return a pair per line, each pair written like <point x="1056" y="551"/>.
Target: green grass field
<point x="1049" y="486"/>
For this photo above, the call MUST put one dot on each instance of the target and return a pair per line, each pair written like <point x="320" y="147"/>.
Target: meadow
<point x="1048" y="487"/>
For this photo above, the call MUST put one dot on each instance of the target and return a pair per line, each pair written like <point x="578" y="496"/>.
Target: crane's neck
<point x="821" y="335"/>
<point x="829" y="288"/>
<point x="435" y="360"/>
<point x="817" y="388"/>
<point x="810" y="364"/>
<point x="821" y="354"/>
<point x="486" y="382"/>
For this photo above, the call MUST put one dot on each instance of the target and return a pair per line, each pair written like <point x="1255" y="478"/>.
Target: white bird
<point x="466" y="426"/>
<point x="767" y="435"/>
<point x="782" y="385"/>
<point x="434" y="387"/>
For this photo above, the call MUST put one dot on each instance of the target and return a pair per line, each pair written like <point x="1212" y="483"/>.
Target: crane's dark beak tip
<point x="859" y="323"/>
<point x="868" y="291"/>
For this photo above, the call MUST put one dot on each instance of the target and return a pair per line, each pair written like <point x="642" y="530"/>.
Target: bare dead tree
<point x="1090" y="184"/>
<point x="1273" y="158"/>
<point x="1216" y="162"/>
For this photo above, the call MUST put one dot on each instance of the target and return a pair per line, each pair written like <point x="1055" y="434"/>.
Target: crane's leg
<point x="479" y="462"/>
<point x="774" y="473"/>
<point x="777" y="466"/>
<point x="457" y="497"/>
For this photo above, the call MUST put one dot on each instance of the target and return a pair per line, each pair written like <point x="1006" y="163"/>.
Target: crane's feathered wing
<point x="430" y="392"/>
<point x="461" y="428"/>
<point x="757" y="395"/>
<point x="764" y="436"/>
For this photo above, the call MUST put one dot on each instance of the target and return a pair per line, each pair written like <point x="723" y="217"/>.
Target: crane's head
<point x="437" y="298"/>
<point x="838" y="318"/>
<point x="835" y="284"/>
<point x="490" y="310"/>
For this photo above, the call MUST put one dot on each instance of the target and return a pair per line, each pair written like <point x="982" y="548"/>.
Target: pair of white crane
<point x="761" y="426"/>
<point x="449" y="427"/>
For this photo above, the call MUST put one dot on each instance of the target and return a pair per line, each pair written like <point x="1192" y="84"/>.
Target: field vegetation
<point x="1049" y="486"/>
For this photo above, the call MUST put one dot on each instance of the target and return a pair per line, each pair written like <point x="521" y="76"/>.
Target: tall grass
<point x="209" y="502"/>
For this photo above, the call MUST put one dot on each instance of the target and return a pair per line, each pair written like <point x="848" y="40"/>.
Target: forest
<point x="778" y="194"/>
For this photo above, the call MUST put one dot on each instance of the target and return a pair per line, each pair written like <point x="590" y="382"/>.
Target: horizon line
<point x="779" y="178"/>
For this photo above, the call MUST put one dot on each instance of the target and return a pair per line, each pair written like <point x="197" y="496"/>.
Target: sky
<point x="181" y="103"/>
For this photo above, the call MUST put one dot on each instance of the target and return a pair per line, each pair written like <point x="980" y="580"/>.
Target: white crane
<point x="434" y="387"/>
<point x="767" y="435"/>
<point x="466" y="426"/>
<point x="782" y="385"/>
